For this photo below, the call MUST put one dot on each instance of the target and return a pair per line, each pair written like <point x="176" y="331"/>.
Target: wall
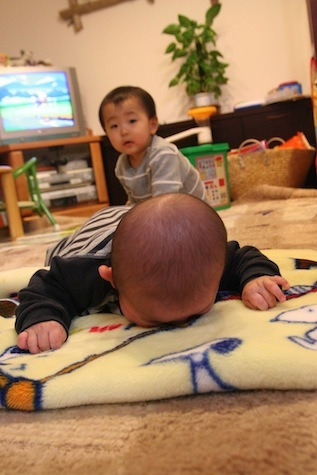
<point x="265" y="42"/>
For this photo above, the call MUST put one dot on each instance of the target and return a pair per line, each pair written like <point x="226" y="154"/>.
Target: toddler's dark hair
<point x="120" y="94"/>
<point x="172" y="245"/>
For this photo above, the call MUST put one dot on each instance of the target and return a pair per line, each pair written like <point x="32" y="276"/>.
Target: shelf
<point x="14" y="155"/>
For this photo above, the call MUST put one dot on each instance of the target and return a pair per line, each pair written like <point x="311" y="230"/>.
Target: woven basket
<point x="281" y="167"/>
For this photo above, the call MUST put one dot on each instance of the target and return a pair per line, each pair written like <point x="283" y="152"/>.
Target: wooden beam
<point x="72" y="14"/>
<point x="75" y="19"/>
<point x="88" y="7"/>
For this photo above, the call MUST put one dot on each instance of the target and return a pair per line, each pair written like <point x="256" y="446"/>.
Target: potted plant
<point x="202" y="68"/>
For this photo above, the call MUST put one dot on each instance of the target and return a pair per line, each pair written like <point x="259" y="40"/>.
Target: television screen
<point x="39" y="103"/>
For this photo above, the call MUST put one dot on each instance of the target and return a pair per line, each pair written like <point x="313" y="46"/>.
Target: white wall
<point x="266" y="42"/>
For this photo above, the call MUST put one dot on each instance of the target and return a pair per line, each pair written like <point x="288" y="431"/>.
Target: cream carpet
<point x="260" y="432"/>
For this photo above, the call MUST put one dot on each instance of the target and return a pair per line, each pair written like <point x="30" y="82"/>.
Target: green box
<point x="211" y="162"/>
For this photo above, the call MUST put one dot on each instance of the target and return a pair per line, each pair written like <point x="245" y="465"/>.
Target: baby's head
<point x="168" y="256"/>
<point x="120" y="94"/>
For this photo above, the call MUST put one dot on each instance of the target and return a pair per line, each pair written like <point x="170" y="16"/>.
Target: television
<point x="39" y="103"/>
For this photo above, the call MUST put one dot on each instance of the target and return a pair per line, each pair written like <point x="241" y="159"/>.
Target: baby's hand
<point x="263" y="292"/>
<point x="42" y="336"/>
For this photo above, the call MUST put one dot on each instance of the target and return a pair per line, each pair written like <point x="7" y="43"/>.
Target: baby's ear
<point x="105" y="273"/>
<point x="153" y="125"/>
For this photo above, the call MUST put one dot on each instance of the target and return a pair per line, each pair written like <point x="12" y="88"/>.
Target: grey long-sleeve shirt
<point x="164" y="169"/>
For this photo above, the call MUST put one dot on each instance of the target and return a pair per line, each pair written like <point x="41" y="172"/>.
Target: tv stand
<point x="14" y="155"/>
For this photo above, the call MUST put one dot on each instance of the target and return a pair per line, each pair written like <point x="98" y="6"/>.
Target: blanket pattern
<point x="109" y="360"/>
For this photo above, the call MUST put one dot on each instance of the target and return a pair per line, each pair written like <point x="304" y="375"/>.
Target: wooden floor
<point x="35" y="225"/>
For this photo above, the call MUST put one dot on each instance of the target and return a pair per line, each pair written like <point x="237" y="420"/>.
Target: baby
<point x="163" y="263"/>
<point x="148" y="165"/>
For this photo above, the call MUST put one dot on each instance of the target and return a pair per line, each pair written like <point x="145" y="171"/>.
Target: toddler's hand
<point x="263" y="292"/>
<point x="42" y="336"/>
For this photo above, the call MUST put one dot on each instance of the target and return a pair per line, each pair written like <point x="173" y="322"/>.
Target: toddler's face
<point x="128" y="127"/>
<point x="148" y="313"/>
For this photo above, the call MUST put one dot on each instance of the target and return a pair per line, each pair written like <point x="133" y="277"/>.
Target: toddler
<point x="148" y="165"/>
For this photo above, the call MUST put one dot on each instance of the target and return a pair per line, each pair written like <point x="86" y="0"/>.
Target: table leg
<point x="11" y="203"/>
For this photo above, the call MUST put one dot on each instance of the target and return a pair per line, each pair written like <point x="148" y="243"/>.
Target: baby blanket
<point x="109" y="360"/>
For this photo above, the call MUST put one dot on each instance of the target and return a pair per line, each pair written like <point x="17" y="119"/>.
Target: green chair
<point x="36" y="201"/>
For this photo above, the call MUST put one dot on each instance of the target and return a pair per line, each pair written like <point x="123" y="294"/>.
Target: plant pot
<point x="203" y="99"/>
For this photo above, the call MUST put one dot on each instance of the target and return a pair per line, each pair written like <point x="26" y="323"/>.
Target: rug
<point x="106" y="359"/>
<point x="256" y="432"/>
<point x="31" y="248"/>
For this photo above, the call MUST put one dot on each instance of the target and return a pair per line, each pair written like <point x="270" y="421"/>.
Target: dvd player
<point x="57" y="198"/>
<point x="52" y="180"/>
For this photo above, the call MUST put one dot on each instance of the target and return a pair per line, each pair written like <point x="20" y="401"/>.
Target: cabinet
<point x="282" y="119"/>
<point x="15" y="155"/>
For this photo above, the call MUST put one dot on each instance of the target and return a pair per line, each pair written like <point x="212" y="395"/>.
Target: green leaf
<point x="188" y="36"/>
<point x="212" y="13"/>
<point x="182" y="70"/>
<point x="206" y="67"/>
<point x="180" y="38"/>
<point x="214" y="54"/>
<point x="184" y="21"/>
<point x="172" y="29"/>
<point x="221" y="79"/>
<point x="171" y="47"/>
<point x="193" y="57"/>
<point x="193" y="88"/>
<point x="209" y="35"/>
<point x="217" y="91"/>
<point x="173" y="82"/>
<point x="179" y="53"/>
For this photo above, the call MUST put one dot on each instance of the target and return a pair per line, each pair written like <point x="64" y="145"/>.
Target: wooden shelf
<point x="13" y="155"/>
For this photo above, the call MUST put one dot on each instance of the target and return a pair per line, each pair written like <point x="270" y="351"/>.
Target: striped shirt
<point x="164" y="169"/>
<point x="94" y="238"/>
